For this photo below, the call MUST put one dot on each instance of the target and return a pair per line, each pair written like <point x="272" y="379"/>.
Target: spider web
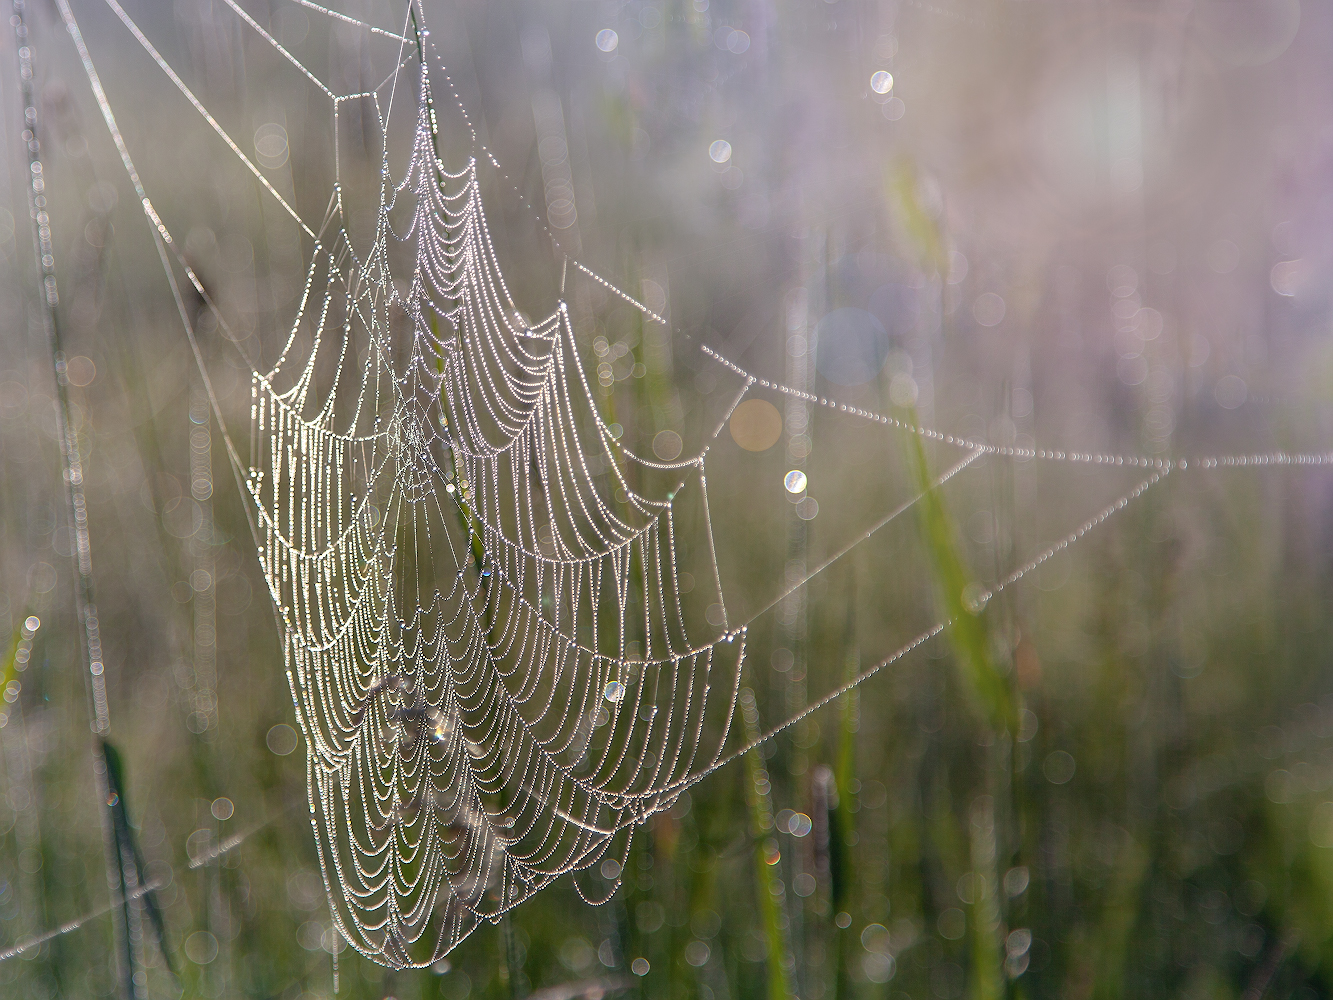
<point x="478" y="587"/>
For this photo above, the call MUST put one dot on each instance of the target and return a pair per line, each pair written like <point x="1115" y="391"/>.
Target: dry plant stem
<point x="72" y="472"/>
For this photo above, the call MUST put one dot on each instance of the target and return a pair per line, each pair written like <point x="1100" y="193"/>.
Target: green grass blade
<point x="968" y="630"/>
<point x="987" y="974"/>
<point x="766" y="857"/>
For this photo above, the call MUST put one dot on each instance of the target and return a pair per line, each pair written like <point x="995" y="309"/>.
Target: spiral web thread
<point x="490" y="655"/>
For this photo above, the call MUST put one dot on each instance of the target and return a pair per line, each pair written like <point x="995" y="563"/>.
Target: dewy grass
<point x="958" y="595"/>
<point x="1209" y="739"/>
<point x="842" y="822"/>
<point x="768" y="887"/>
<point x="989" y="691"/>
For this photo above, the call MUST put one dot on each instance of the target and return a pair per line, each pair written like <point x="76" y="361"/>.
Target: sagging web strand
<point x="477" y="726"/>
<point x="440" y="552"/>
<point x="476" y="584"/>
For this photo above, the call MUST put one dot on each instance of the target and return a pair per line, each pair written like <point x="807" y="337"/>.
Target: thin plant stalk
<point x="768" y="888"/>
<point x="72" y="471"/>
<point x="989" y="690"/>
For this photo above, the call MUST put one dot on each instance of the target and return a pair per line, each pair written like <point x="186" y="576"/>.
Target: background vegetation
<point x="1090" y="226"/>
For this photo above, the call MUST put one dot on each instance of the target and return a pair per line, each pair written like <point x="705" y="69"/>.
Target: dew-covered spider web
<point x="492" y="658"/>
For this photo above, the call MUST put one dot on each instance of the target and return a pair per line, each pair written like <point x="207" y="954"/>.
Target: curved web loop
<point x="444" y="520"/>
<point x="439" y="525"/>
<point x="475" y="583"/>
<point x="494" y="666"/>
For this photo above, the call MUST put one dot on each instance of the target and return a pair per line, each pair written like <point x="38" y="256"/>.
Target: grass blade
<point x="759" y="798"/>
<point x="957" y="592"/>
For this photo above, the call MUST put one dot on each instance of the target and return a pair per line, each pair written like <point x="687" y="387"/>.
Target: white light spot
<point x="902" y="389"/>
<point x="720" y="151"/>
<point x="607" y="40"/>
<point x="795" y="481"/>
<point x="271" y="145"/>
<point x="613" y="691"/>
<point x="881" y="82"/>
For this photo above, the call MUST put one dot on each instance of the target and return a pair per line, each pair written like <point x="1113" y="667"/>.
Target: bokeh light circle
<point x="988" y="309"/>
<point x="667" y="445"/>
<point x="1230" y="392"/>
<point x="201" y="947"/>
<point x="80" y="371"/>
<point x="281" y="740"/>
<point x="271" y="145"/>
<point x="756" y="425"/>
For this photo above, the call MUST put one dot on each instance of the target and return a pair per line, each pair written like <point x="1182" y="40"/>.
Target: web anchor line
<point x="69" y="926"/>
<point x="1261" y="459"/>
<point x="121" y="871"/>
<point x="984" y="598"/>
<point x="416" y="700"/>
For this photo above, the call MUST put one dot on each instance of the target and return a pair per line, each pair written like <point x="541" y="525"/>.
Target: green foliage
<point x="1111" y="780"/>
<point x="960" y="599"/>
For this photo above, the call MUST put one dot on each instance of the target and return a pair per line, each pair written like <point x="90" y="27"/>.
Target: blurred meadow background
<point x="1098" y="226"/>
